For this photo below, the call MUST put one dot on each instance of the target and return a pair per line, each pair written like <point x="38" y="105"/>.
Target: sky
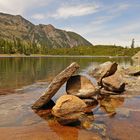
<point x="99" y="21"/>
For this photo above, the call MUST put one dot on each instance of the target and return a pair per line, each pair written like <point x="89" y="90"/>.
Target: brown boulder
<point x="114" y="83"/>
<point x="104" y="70"/>
<point x="81" y="87"/>
<point x="68" y="108"/>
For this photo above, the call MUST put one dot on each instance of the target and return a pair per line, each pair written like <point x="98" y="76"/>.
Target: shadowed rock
<point x="55" y="85"/>
<point x="114" y="83"/>
<point x="68" y="109"/>
<point x="104" y="70"/>
<point x="81" y="87"/>
<point x="105" y="92"/>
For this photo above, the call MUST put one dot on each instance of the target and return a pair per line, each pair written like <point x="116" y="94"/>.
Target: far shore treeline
<point x="19" y="47"/>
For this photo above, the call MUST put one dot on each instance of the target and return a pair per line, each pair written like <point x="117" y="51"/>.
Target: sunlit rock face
<point x="68" y="108"/>
<point x="16" y="27"/>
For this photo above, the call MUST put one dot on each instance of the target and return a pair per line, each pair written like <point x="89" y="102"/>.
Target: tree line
<point x="27" y="48"/>
<point x="19" y="47"/>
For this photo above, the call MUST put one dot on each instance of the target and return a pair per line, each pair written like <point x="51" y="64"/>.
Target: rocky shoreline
<point x="82" y="95"/>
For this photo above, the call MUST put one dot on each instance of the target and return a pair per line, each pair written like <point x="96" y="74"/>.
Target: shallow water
<point x="27" y="78"/>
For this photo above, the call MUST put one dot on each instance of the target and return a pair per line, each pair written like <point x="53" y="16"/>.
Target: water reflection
<point x="110" y="104"/>
<point x="18" y="72"/>
<point x="66" y="132"/>
<point x="16" y="109"/>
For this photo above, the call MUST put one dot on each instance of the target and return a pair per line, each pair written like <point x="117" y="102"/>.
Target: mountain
<point x="14" y="27"/>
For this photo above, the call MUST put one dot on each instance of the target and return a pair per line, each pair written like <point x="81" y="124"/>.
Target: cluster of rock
<point x="109" y="78"/>
<point x="81" y="93"/>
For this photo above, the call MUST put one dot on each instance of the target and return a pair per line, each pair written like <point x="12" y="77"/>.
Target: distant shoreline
<point x="41" y="55"/>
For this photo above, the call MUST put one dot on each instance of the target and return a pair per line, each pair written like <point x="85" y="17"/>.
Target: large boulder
<point x="104" y="70"/>
<point x="81" y="87"/>
<point x="68" y="109"/>
<point x="114" y="83"/>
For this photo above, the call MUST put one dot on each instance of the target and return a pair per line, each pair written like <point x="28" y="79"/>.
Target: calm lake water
<point x="18" y="72"/>
<point x="23" y="80"/>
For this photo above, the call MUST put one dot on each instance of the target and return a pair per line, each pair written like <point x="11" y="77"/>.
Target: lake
<point x="18" y="72"/>
<point x="23" y="80"/>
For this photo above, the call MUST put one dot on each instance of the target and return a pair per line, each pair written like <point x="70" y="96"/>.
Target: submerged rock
<point x="87" y="122"/>
<point x="123" y="112"/>
<point x="114" y="83"/>
<point x="101" y="128"/>
<point x="81" y="87"/>
<point x="68" y="108"/>
<point x="104" y="70"/>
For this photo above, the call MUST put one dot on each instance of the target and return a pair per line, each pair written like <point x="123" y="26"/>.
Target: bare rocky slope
<point x="14" y="27"/>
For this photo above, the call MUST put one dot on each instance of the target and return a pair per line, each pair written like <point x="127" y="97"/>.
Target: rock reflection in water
<point x="71" y="132"/>
<point x="110" y="104"/>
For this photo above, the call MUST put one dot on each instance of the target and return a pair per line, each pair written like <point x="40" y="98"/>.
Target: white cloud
<point x="96" y="25"/>
<point x="20" y="6"/>
<point x="99" y="33"/>
<point x="66" y="11"/>
<point x="97" y="29"/>
<point x="129" y="27"/>
<point x="38" y="16"/>
<point x="121" y="35"/>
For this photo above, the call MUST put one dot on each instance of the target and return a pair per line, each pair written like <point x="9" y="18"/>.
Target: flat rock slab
<point x="55" y="85"/>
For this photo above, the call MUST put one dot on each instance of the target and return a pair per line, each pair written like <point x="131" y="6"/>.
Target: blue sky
<point x="99" y="21"/>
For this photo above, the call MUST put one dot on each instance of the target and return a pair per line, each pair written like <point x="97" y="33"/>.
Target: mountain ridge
<point x="14" y="27"/>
